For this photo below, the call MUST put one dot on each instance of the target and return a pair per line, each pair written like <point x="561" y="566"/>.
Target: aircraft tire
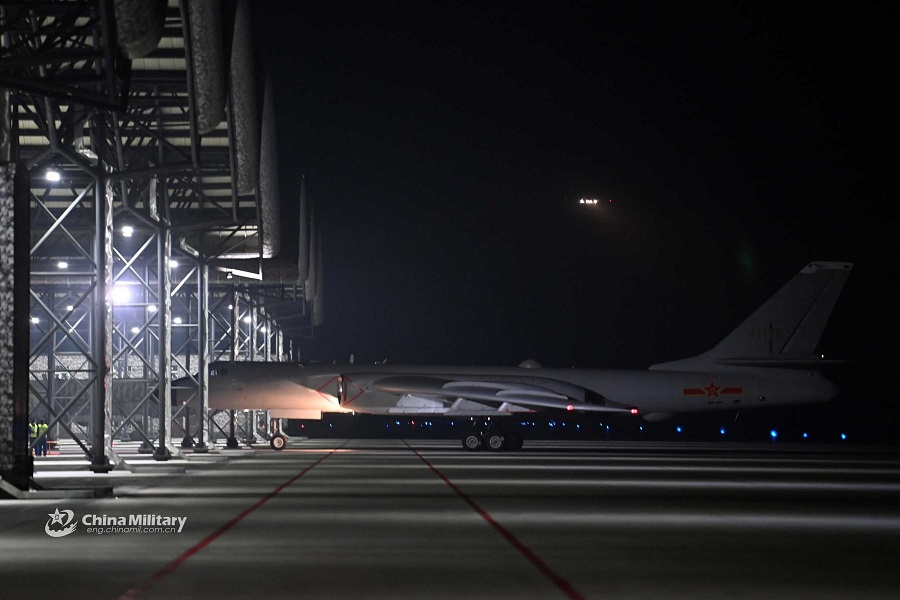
<point x="278" y="442"/>
<point x="472" y="442"/>
<point x="514" y="441"/>
<point x="494" y="442"/>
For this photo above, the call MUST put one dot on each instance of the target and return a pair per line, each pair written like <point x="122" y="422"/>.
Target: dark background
<point x="445" y="146"/>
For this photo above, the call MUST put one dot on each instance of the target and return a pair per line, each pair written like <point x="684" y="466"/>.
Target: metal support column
<point x="203" y="354"/>
<point x="101" y="340"/>
<point x="231" y="441"/>
<point x="16" y="461"/>
<point x="250" y="416"/>
<point x="164" y="316"/>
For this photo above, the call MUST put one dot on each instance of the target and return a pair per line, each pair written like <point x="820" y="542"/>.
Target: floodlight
<point x="120" y="294"/>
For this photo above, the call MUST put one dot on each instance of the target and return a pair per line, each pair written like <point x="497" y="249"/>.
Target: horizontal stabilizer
<point x="786" y="362"/>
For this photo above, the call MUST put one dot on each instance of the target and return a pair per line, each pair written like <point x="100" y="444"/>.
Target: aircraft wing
<point x="527" y="395"/>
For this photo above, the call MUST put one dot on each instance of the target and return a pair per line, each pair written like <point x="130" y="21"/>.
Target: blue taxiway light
<point x="722" y="431"/>
<point x="843" y="436"/>
<point x="678" y="429"/>
<point x="774" y="434"/>
<point x="805" y="435"/>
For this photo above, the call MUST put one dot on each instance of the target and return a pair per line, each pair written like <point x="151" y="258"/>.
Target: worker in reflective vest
<point x="32" y="435"/>
<point x="42" y="438"/>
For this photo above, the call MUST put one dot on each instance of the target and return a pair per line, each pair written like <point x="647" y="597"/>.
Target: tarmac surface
<point x="379" y="519"/>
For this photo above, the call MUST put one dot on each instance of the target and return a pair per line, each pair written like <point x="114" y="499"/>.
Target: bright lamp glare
<point x="35" y="320"/>
<point x="135" y="329"/>
<point x="247" y="319"/>
<point x="177" y="320"/>
<point x="52" y="175"/>
<point x="173" y="263"/>
<point x="127" y="230"/>
<point x="151" y="308"/>
<point x="62" y="264"/>
<point x="120" y="294"/>
<point x="70" y="308"/>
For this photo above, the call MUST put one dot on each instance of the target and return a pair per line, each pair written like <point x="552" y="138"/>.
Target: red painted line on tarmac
<point x="567" y="588"/>
<point x="166" y="570"/>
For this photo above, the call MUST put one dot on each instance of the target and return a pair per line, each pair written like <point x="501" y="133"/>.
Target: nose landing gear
<point x="278" y="440"/>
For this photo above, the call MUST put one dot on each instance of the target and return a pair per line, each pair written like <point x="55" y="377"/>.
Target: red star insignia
<point x="712" y="390"/>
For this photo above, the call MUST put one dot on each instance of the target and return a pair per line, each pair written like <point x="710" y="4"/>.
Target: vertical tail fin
<point x="783" y="332"/>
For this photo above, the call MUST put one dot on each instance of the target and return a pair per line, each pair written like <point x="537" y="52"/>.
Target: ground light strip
<point x="567" y="588"/>
<point x="166" y="570"/>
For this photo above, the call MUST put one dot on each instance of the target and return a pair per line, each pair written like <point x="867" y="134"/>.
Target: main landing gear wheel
<point x="472" y="442"/>
<point x="278" y="442"/>
<point x="494" y="442"/>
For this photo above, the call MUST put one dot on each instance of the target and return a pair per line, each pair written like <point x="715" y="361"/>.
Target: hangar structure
<point x="140" y="224"/>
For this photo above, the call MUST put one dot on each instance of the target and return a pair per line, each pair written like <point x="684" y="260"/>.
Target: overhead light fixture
<point x="120" y="294"/>
<point x="35" y="320"/>
<point x="247" y="319"/>
<point x="62" y="264"/>
<point x="70" y="308"/>
<point x="151" y="308"/>
<point x="177" y="320"/>
<point x="127" y="230"/>
<point x="173" y="263"/>
<point x="52" y="175"/>
<point x="135" y="329"/>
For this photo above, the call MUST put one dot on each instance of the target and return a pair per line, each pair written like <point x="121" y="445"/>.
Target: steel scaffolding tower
<point x="144" y="139"/>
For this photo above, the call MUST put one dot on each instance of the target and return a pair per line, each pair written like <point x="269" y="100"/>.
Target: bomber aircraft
<point x="768" y="360"/>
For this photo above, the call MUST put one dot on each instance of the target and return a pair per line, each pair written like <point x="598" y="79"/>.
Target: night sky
<point x="445" y="147"/>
